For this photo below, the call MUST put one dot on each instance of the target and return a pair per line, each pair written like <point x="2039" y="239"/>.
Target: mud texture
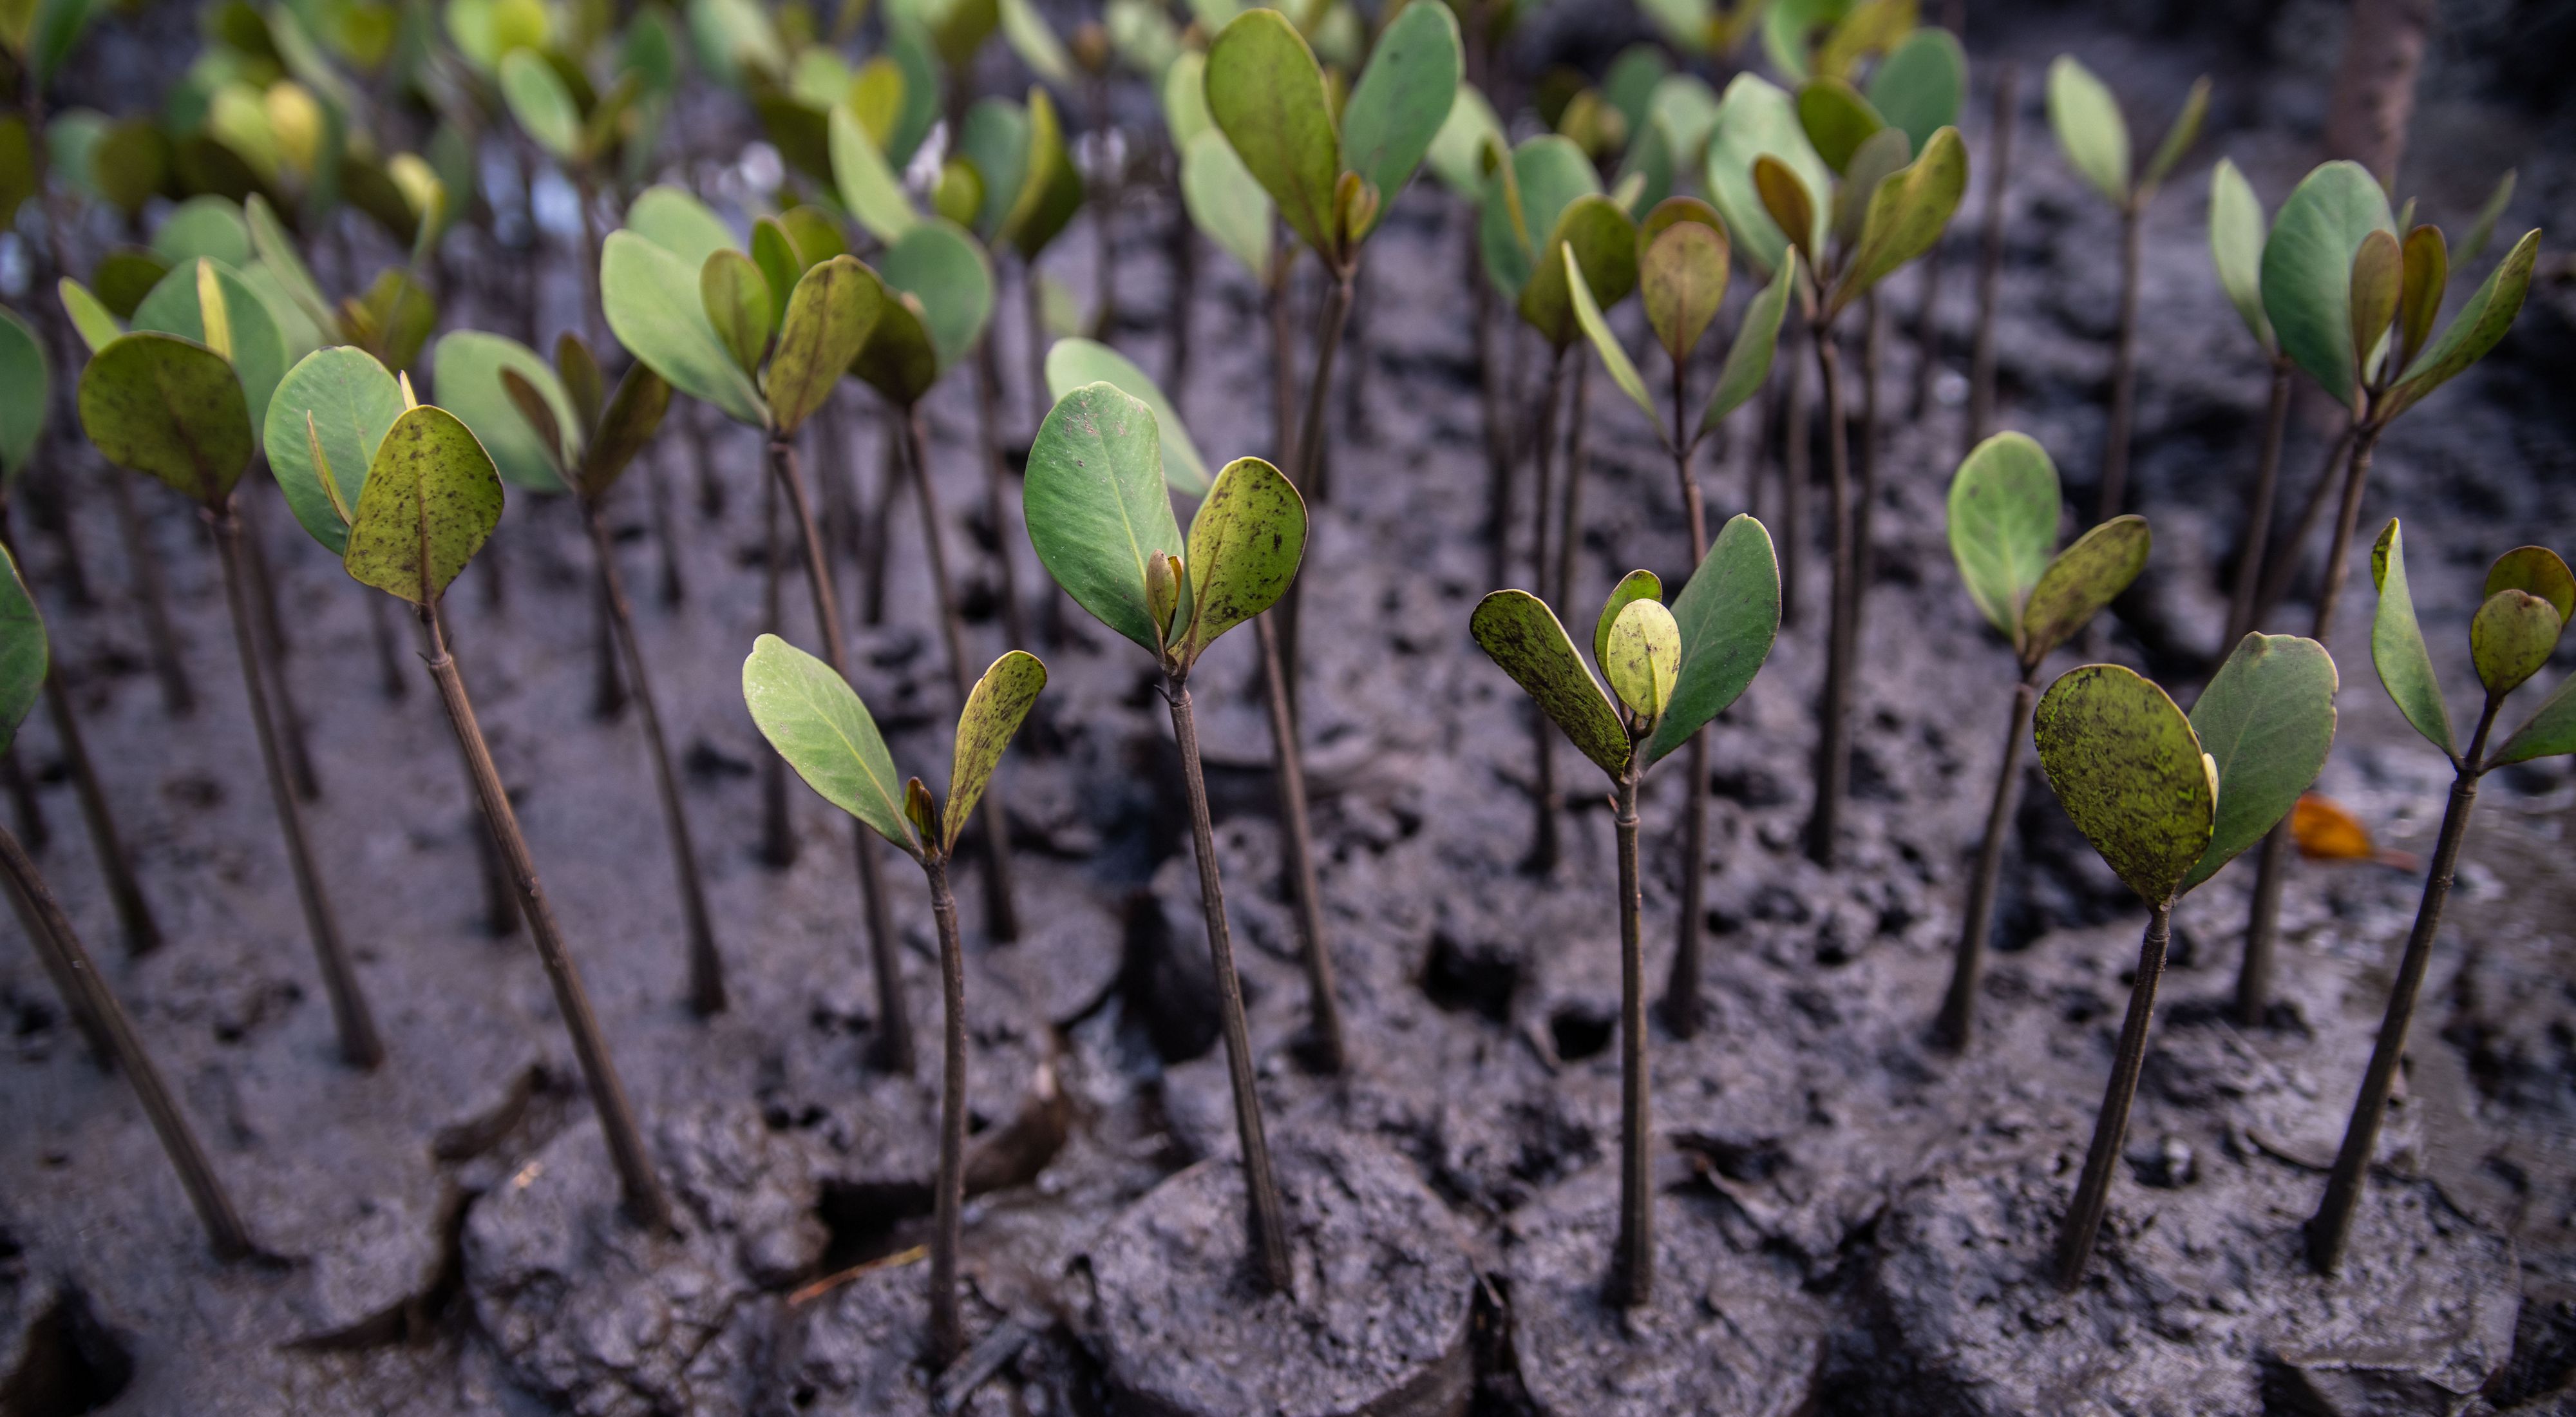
<point x="1850" y="1218"/>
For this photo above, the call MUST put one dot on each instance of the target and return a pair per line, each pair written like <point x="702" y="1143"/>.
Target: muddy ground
<point x="1852" y="1222"/>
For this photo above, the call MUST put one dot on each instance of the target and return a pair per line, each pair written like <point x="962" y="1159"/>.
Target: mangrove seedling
<point x="1549" y="185"/>
<point x="1103" y="527"/>
<point x="26" y="405"/>
<point x="815" y="720"/>
<point x="2354" y="307"/>
<point x="2236" y="240"/>
<point x="590" y="455"/>
<point x="2529" y="597"/>
<point x="2004" y="509"/>
<point x="175" y="409"/>
<point x="25" y="668"/>
<point x="937" y="299"/>
<point x="1672" y="671"/>
<point x="1072" y="364"/>
<point x="1830" y="178"/>
<point x="1682" y="274"/>
<point x="766" y="357"/>
<point x="427" y="499"/>
<point x="2167" y="800"/>
<point x="2095" y="139"/>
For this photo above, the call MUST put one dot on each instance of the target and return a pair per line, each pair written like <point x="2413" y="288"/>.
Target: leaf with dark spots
<point x="994" y="710"/>
<point x="432" y="498"/>
<point x="1522" y="635"/>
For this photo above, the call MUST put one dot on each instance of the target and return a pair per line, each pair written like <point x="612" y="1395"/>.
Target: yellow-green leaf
<point x="828" y="318"/>
<point x="1643" y="659"/>
<point x="2397" y="644"/>
<point x="2128" y="768"/>
<point x="817" y="723"/>
<point x="994" y="710"/>
<point x="2266" y="721"/>
<point x="1522" y="635"/>
<point x="432" y="499"/>
<point x="168" y="407"/>
<point x="2086" y="576"/>
<point x="1245" y="544"/>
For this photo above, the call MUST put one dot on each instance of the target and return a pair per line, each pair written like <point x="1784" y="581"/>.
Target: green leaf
<point x="2004" y="507"/>
<point x="2482" y="227"/>
<point x="1403" y="98"/>
<point x="2377" y="276"/>
<point x="1681" y="276"/>
<point x="352" y="401"/>
<point x="26" y="393"/>
<point x="1748" y="360"/>
<point x="1184" y="95"/>
<point x="1632" y="587"/>
<point x="1919" y="85"/>
<point x="735" y="295"/>
<point x="996" y="139"/>
<point x="465" y="373"/>
<point x="1072" y="363"/>
<point x="994" y="710"/>
<point x="1603" y="246"/>
<point x="96" y="325"/>
<point x="540" y="417"/>
<point x="816" y="722"/>
<point x="2538" y="570"/>
<point x="1729" y="615"/>
<point x="542" y="105"/>
<point x="2548" y="733"/>
<point x="1522" y="203"/>
<point x="940" y="263"/>
<point x="633" y="412"/>
<point x="1522" y="635"/>
<point x="2511" y="638"/>
<point x="828" y="319"/>
<point x="679" y="223"/>
<point x="2266" y="721"/>
<point x="2128" y="768"/>
<point x="1837" y="120"/>
<point x="2397" y="645"/>
<point x="2236" y="246"/>
<point x="432" y="498"/>
<point x="129" y="163"/>
<point x="126" y="275"/>
<point x="781" y="264"/>
<point x="1880" y="156"/>
<point x="2307" y="270"/>
<point x="2478" y="327"/>
<point x="899" y="360"/>
<point x="2178" y="138"/>
<point x="168" y="407"/>
<point x="652" y="302"/>
<point x="1245" y="543"/>
<point x="1456" y="154"/>
<point x="1227" y="202"/>
<point x="2427" y="274"/>
<point x="583" y="384"/>
<point x="1096" y="507"/>
<point x="24" y="656"/>
<point x="1267" y="96"/>
<point x="2090" y="130"/>
<point x="207" y="226"/>
<point x="1026" y="31"/>
<point x="1605" y="343"/>
<point x="868" y="185"/>
<point x="1907" y="214"/>
<point x="1643" y="659"/>
<point x="258" y="352"/>
<point x="276" y="251"/>
<point x="1054" y="191"/>
<point x="1756" y="119"/>
<point x="2086" y="576"/>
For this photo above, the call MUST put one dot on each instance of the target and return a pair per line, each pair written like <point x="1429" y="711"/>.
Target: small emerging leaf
<point x="90" y="316"/>
<point x="633" y="413"/>
<point x="1729" y="614"/>
<point x="2427" y="273"/>
<point x="1787" y="201"/>
<point x="1522" y="635"/>
<point x="1632" y="587"/>
<point x="2377" y="274"/>
<point x="2177" y="140"/>
<point x="735" y="296"/>
<point x="2511" y="637"/>
<point x="1644" y="659"/>
<point x="1245" y="544"/>
<point x="1605" y="341"/>
<point x="1907" y="215"/>
<point x="2478" y="327"/>
<point x="2129" y="770"/>
<point x="2236" y="246"/>
<point x="1603" y="244"/>
<point x="995" y="708"/>
<point x="540" y="418"/>
<point x="1748" y="360"/>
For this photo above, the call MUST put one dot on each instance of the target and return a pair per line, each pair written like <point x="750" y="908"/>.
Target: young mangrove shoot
<point x="2167" y="800"/>
<point x="809" y="713"/>
<point x="1671" y="671"/>
<point x="2004" y="511"/>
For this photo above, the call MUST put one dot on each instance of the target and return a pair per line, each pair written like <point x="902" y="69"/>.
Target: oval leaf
<point x="2307" y="269"/>
<point x="1681" y="280"/>
<point x="1605" y="341"/>
<point x="653" y="306"/>
<point x="633" y="412"/>
<point x="1096" y="507"/>
<point x="2090" y="130"/>
<point x="2266" y="721"/>
<point x="735" y="296"/>
<point x="432" y="498"/>
<point x="1729" y="615"/>
<point x="1919" y="85"/>
<point x="814" y="719"/>
<point x="2536" y="569"/>
<point x="828" y="318"/>
<point x="352" y="400"/>
<point x="2397" y="644"/>
<point x="2511" y="637"/>
<point x="2378" y="274"/>
<point x="168" y="407"/>
<point x="1522" y="635"/>
<point x="1403" y="97"/>
<point x="2004" y="508"/>
<point x="2086" y="576"/>
<point x="1267" y="96"/>
<point x="1632" y="587"/>
<point x="2236" y="246"/>
<point x="1604" y="247"/>
<point x="1643" y="659"/>
<point x="994" y="710"/>
<point x="1245" y="543"/>
<point x="466" y="375"/>
<point x="1837" y="120"/>
<point x="2129" y="770"/>
<point x="1072" y="363"/>
<point x="26" y="392"/>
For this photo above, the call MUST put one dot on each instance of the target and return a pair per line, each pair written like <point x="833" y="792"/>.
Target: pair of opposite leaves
<point x="2528" y="599"/>
<point x="2333" y="286"/>
<point x="1671" y="670"/>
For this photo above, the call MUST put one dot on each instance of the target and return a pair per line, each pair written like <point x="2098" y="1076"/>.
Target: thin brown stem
<point x="706" y="966"/>
<point x="947" y="1327"/>
<point x="1833" y="738"/>
<point x="389" y="669"/>
<point x="2124" y="375"/>
<point x="645" y="1202"/>
<point x="1543" y="842"/>
<point x="1990" y="259"/>
<point x="1491" y="403"/>
<point x="777" y="825"/>
<point x="1632" y="1269"/>
<point x="151" y="597"/>
<point x="1328" y="1045"/>
<point x="276" y="648"/>
<point x="23" y="801"/>
<point x="1569" y="536"/>
<point x="89" y="995"/>
<point x="2258" y="505"/>
<point x="607" y="685"/>
<point x="360" y="1045"/>
<point x="1265" y="1223"/>
<point x="1797" y="471"/>
<point x="2111" y="1125"/>
<point x="1001" y="910"/>
<point x="2332" y="1225"/>
<point x="1927" y="337"/>
<point x="66" y="980"/>
<point x="1864" y="511"/>
<point x="1682" y="1007"/>
<point x="894" y="1047"/>
<point x="997" y="504"/>
<point x="1957" y="1023"/>
<point x="133" y="910"/>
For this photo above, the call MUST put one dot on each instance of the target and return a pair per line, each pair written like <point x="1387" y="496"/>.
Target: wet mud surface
<point x="1851" y="1221"/>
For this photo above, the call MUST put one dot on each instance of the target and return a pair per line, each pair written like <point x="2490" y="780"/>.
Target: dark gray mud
<point x="1846" y="1213"/>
